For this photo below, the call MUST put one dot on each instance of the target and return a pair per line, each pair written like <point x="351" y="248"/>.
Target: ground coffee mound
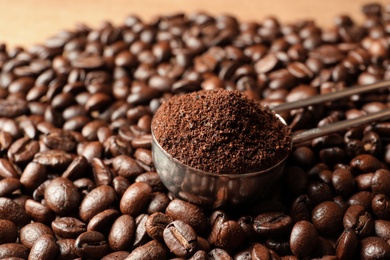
<point x="221" y="131"/>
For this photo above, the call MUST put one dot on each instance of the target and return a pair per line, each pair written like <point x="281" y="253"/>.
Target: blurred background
<point x="25" y="22"/>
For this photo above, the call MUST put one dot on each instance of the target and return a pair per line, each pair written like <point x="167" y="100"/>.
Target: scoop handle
<point x="340" y="126"/>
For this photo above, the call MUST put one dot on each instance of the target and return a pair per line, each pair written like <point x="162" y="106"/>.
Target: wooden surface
<point x="25" y="22"/>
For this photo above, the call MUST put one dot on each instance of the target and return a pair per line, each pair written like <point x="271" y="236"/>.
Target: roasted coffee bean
<point x="303" y="239"/>
<point x="96" y="201"/>
<point x="44" y="247"/>
<point x="152" y="179"/>
<point x="8" y="231"/>
<point x="33" y="175"/>
<point x="102" y="221"/>
<point x="31" y="232"/>
<point x="327" y="217"/>
<point x="150" y="251"/>
<point x="135" y="198"/>
<point x="381" y="206"/>
<point x="61" y="140"/>
<point x="155" y="225"/>
<point x="126" y="166"/>
<point x="140" y="236"/>
<point x="188" y="213"/>
<point x="122" y="232"/>
<point x="346" y="245"/>
<point x="23" y="150"/>
<point x="218" y="253"/>
<point x="365" y="163"/>
<point x="76" y="168"/>
<point x="39" y="212"/>
<point x="272" y="224"/>
<point x="180" y="238"/>
<point x="68" y="227"/>
<point x="363" y="198"/>
<point x="380" y="182"/>
<point x="319" y="192"/>
<point x="62" y="196"/>
<point x="358" y="219"/>
<point x="7" y="170"/>
<point x="10" y="210"/>
<point x="374" y="248"/>
<point x="382" y="228"/>
<point x="56" y="159"/>
<point x="92" y="245"/>
<point x="118" y="255"/>
<point x="13" y="250"/>
<point x="8" y="186"/>
<point x="101" y="172"/>
<point x="228" y="235"/>
<point x="343" y="182"/>
<point x="301" y="209"/>
<point x="158" y="203"/>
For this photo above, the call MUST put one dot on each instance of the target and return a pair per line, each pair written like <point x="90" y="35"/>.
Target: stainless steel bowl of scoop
<point x="212" y="190"/>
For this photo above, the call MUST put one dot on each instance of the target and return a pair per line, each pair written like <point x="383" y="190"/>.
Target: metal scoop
<point x="214" y="190"/>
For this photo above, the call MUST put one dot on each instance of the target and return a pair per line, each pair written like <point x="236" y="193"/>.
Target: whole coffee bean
<point x="76" y="168"/>
<point x="7" y="170"/>
<point x="23" y="150"/>
<point x="103" y="221"/>
<point x="152" y="179"/>
<point x="229" y="235"/>
<point x="363" y="198"/>
<point x="158" y="203"/>
<point x="260" y="251"/>
<point x="363" y="181"/>
<point x="150" y="251"/>
<point x="8" y="186"/>
<point x="44" y="248"/>
<point x="140" y="236"/>
<point x="33" y="175"/>
<point x="39" y="212"/>
<point x="122" y="232"/>
<point x="135" y="198"/>
<point x="101" y="172"/>
<point x="118" y="255"/>
<point x="188" y="213"/>
<point x="343" y="182"/>
<point x="346" y="245"/>
<point x="281" y="247"/>
<point x="327" y="217"/>
<point x="13" y="250"/>
<point x="8" y="231"/>
<point x="31" y="232"/>
<point x="60" y="140"/>
<point x="55" y="159"/>
<point x="156" y="223"/>
<point x="11" y="211"/>
<point x="126" y="166"/>
<point x="180" y="238"/>
<point x="380" y="182"/>
<point x="218" y="253"/>
<point x="382" y="229"/>
<point x="365" y="163"/>
<point x="272" y="224"/>
<point x="303" y="239"/>
<point x="99" y="199"/>
<point x="62" y="196"/>
<point x="68" y="227"/>
<point x="381" y="206"/>
<point x="67" y="248"/>
<point x="92" y="245"/>
<point x="374" y="248"/>
<point x="358" y="219"/>
<point x="199" y="255"/>
<point x="319" y="192"/>
<point x="301" y="208"/>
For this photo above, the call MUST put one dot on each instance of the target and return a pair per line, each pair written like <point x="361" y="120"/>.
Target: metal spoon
<point x="214" y="190"/>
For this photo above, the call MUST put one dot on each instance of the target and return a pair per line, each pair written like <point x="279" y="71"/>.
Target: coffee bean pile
<point x="221" y="131"/>
<point x="76" y="173"/>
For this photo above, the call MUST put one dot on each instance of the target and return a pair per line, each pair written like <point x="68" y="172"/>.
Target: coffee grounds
<point x="221" y="131"/>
